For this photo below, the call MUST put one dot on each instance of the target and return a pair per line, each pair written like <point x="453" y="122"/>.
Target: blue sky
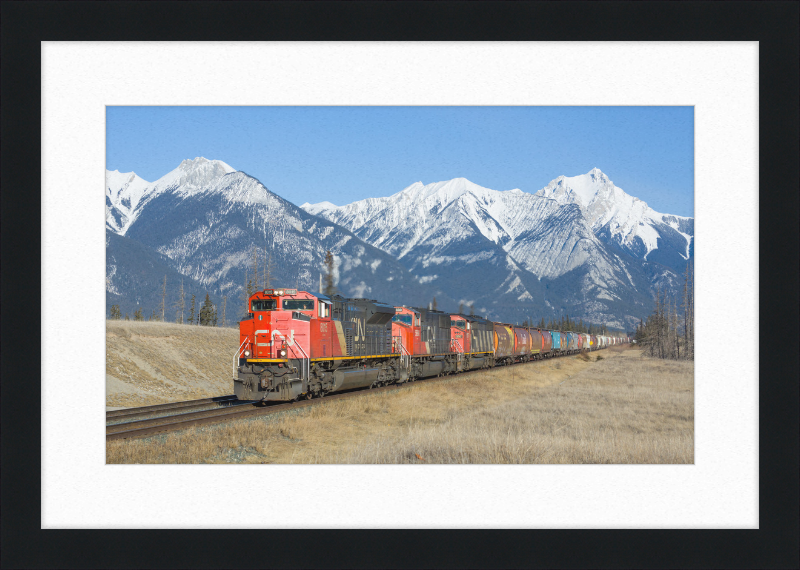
<point x="343" y="154"/>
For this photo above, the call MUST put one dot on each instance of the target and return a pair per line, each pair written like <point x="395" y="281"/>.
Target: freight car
<point x="296" y="344"/>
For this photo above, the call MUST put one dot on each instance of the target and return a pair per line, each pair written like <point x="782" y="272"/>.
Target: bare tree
<point x="224" y="302"/>
<point x="246" y="292"/>
<point x="267" y="270"/>
<point x="688" y="312"/>
<point x="255" y="269"/>
<point x="163" y="298"/>
<point x="180" y="305"/>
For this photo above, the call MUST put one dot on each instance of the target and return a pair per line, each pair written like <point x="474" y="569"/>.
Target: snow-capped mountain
<point x="625" y="221"/>
<point x="580" y="246"/>
<point x="124" y="191"/>
<point x="127" y="193"/>
<point x="208" y="218"/>
<point x="511" y="250"/>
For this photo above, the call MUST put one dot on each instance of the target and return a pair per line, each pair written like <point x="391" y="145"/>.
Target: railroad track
<point x="244" y="410"/>
<point x="236" y="410"/>
<point x="131" y="414"/>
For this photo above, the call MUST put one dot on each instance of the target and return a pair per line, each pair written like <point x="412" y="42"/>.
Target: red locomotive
<point x="295" y="344"/>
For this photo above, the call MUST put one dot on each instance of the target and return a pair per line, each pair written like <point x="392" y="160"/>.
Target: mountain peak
<point x="200" y="162"/>
<point x="197" y="173"/>
<point x="582" y="189"/>
<point x="442" y="192"/>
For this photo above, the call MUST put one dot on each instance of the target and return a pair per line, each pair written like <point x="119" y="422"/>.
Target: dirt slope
<point x="154" y="363"/>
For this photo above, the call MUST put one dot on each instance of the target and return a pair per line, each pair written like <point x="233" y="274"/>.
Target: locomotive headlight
<point x="279" y="292"/>
<point x="283" y="353"/>
<point x="246" y="353"/>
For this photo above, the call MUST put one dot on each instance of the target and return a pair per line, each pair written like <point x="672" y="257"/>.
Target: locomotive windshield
<point x="459" y="324"/>
<point x="402" y="319"/>
<point x="298" y="305"/>
<point x="264" y="305"/>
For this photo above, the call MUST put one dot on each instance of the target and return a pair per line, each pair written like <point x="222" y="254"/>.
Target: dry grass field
<point x="154" y="363"/>
<point x="612" y="406"/>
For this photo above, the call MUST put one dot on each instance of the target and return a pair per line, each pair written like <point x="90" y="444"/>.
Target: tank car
<point x="547" y="344"/>
<point x="522" y="344"/>
<point x="503" y="343"/>
<point x="556" y="342"/>
<point x="537" y="344"/>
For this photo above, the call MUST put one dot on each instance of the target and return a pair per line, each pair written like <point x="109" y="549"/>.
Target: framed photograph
<point x="732" y="74"/>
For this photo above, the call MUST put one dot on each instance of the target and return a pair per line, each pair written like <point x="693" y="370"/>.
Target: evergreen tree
<point x="127" y="318"/>
<point x="224" y="302"/>
<point x="206" y="312"/>
<point x="191" y="311"/>
<point x="138" y="315"/>
<point x="115" y="313"/>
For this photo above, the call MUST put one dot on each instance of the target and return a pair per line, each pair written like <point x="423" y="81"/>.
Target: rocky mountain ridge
<point x="580" y="246"/>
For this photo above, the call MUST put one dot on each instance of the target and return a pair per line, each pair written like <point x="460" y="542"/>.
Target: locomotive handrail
<point x="305" y="372"/>
<point x="238" y="353"/>
<point x="460" y="351"/>
<point x="306" y="366"/>
<point x="405" y="358"/>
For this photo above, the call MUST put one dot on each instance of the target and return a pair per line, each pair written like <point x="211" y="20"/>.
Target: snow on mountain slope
<point x="580" y="246"/>
<point x="127" y="193"/>
<point x="434" y="215"/>
<point x="496" y="246"/>
<point x="124" y="191"/>
<point x="415" y="214"/>
<point x="624" y="220"/>
<point x="208" y="220"/>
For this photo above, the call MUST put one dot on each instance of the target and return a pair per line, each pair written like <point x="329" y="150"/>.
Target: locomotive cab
<point x="274" y="329"/>
<point x="459" y="334"/>
<point x="275" y="343"/>
<point x="405" y="329"/>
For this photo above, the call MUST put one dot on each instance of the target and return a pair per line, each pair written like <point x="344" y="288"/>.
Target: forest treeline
<point x="668" y="333"/>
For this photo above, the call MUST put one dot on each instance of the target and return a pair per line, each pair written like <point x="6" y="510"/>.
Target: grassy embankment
<point x="154" y="363"/>
<point x="612" y="407"/>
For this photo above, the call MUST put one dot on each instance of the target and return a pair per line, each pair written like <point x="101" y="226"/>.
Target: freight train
<point x="295" y="344"/>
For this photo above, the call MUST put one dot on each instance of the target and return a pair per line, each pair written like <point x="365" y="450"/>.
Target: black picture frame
<point x="773" y="24"/>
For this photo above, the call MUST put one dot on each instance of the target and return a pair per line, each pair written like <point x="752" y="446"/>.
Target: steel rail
<point x="176" y="418"/>
<point x="169" y="406"/>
